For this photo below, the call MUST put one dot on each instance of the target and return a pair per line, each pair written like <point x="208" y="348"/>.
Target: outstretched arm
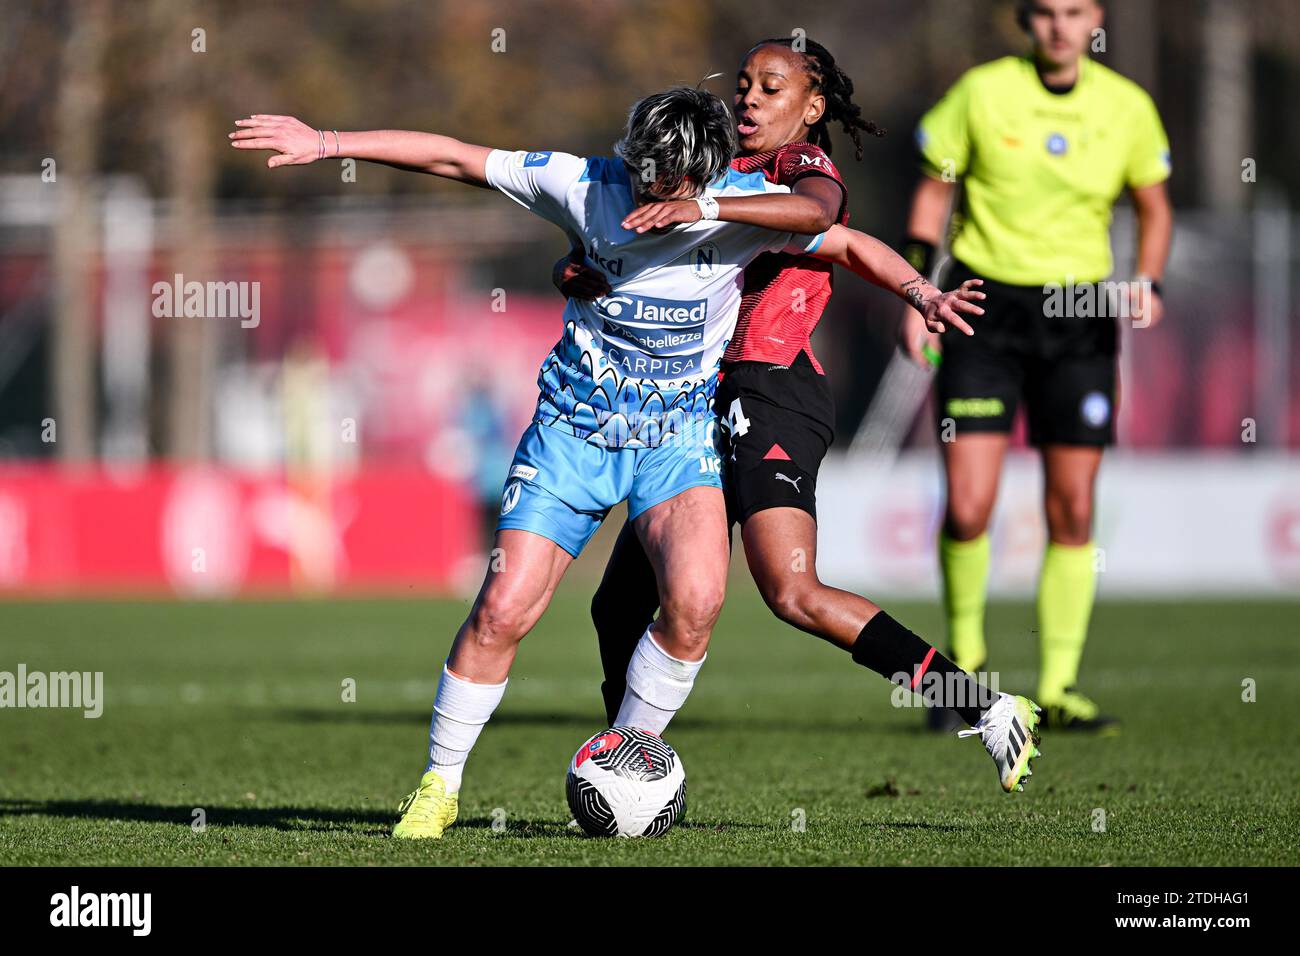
<point x="882" y="266"/>
<point x="295" y="144"/>
<point x="812" y="206"/>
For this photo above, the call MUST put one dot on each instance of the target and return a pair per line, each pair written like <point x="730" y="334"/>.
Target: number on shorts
<point x="737" y="423"/>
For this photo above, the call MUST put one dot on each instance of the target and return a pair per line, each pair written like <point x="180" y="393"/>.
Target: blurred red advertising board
<point x="208" y="532"/>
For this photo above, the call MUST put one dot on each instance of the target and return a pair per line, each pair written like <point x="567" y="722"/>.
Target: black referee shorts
<point x="1063" y="367"/>
<point x="777" y="422"/>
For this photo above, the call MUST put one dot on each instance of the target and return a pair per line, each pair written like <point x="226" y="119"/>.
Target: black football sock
<point x="623" y="607"/>
<point x="898" y="655"/>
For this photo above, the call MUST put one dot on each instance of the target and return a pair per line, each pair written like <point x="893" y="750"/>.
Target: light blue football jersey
<point x="639" y="366"/>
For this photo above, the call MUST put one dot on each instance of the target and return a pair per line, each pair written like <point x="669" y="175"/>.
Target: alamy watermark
<point x="656" y="428"/>
<point x="208" y="300"/>
<point x="129" y="910"/>
<point x="1099" y="300"/>
<point x="932" y="689"/>
<point x="78" y="690"/>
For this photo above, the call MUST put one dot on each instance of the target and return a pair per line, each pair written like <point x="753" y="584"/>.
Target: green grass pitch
<point x="237" y="709"/>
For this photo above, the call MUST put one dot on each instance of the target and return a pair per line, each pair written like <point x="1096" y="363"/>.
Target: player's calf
<point x="803" y="601"/>
<point x="689" y="611"/>
<point x="622" y="608"/>
<point x="669" y="655"/>
<point x="474" y="678"/>
<point x="685" y="538"/>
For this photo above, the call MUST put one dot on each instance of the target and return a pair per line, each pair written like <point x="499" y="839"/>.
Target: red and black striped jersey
<point x="784" y="295"/>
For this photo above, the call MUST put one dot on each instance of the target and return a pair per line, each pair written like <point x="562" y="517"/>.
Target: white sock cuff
<point x="657" y="677"/>
<point x="465" y="701"/>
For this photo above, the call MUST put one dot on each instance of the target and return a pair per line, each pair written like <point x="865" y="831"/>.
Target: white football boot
<point x="1009" y="730"/>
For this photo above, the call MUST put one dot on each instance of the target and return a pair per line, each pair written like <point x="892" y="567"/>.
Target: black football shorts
<point x="1062" y="367"/>
<point x="776" y="424"/>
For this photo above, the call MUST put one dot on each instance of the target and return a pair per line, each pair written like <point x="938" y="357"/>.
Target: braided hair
<point x="834" y="84"/>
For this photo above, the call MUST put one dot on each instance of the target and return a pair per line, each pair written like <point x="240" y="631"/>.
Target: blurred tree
<point x="1131" y="41"/>
<point x="78" y="112"/>
<point x="184" y="131"/>
<point x="1225" y="130"/>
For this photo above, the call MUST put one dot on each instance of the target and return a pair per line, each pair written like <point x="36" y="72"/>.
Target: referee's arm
<point x="926" y="224"/>
<point x="931" y="204"/>
<point x="1155" y="223"/>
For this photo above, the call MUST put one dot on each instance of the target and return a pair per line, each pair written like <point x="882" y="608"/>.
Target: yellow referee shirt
<point x="1041" y="170"/>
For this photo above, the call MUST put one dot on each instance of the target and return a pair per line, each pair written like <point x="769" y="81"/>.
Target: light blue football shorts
<point x="562" y="487"/>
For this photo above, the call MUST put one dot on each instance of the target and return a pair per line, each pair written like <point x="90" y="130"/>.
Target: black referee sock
<point x="902" y="658"/>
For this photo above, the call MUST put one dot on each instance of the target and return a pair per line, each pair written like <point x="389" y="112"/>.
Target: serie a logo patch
<point x="1095" y="409"/>
<point x="525" y="160"/>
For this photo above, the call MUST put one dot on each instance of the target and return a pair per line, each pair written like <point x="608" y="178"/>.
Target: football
<point x="626" y="782"/>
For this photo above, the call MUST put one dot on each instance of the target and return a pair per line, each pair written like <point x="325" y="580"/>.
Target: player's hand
<point x="660" y="215"/>
<point x="577" y="280"/>
<point x="945" y="309"/>
<point x="295" y="143"/>
<point x="917" y="341"/>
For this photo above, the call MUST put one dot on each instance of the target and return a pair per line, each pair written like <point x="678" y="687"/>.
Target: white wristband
<point x="708" y="207"/>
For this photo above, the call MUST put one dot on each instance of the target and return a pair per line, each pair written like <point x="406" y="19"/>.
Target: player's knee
<point x="790" y="599"/>
<point x="690" y="611"/>
<point x="967" y="518"/>
<point x="1069" y="516"/>
<point x="501" y="618"/>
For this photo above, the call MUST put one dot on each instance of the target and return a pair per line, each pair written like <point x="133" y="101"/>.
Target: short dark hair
<point x="1026" y="7"/>
<point x="679" y="134"/>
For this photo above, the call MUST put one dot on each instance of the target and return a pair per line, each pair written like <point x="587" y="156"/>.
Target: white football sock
<point x="657" y="686"/>
<point x="460" y="710"/>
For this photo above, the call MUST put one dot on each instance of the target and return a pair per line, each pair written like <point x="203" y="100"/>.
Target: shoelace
<point x="420" y="812"/>
<point x="986" y="723"/>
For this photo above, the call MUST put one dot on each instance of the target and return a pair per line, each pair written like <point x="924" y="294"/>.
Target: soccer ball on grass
<point x="626" y="782"/>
